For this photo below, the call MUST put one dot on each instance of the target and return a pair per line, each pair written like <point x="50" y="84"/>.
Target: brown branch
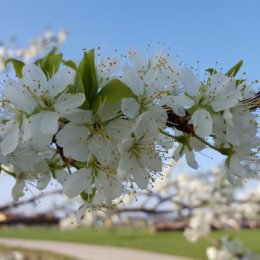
<point x="17" y="204"/>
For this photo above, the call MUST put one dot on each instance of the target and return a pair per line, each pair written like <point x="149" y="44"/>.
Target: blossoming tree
<point x="36" y="47"/>
<point x="102" y="129"/>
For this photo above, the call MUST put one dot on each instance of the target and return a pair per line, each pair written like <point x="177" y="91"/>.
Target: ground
<point x="166" y="242"/>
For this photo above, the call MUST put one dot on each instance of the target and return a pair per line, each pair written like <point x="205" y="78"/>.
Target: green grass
<point x="166" y="242"/>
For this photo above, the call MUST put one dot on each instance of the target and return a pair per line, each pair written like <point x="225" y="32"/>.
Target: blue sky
<point x="208" y="31"/>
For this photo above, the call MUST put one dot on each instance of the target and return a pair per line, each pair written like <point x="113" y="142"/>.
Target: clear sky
<point x="208" y="31"/>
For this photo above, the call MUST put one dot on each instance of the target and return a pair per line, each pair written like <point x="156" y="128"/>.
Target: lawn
<point x="165" y="242"/>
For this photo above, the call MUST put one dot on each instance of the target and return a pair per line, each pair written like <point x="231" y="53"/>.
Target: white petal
<point x="190" y="158"/>
<point x="109" y="111"/>
<point x="137" y="58"/>
<point x="49" y="122"/>
<point x="130" y="166"/>
<point x="43" y="175"/>
<point x="60" y="81"/>
<point x="202" y="122"/>
<point x="109" y="185"/>
<point x="119" y="129"/>
<point x="43" y="180"/>
<point x="130" y="107"/>
<point x="78" y="150"/>
<point x="226" y="101"/>
<point x="25" y="161"/>
<point x="196" y="144"/>
<point x="235" y="165"/>
<point x="123" y="166"/>
<point x="19" y="97"/>
<point x="189" y="81"/>
<point x="71" y="132"/>
<point x="143" y="125"/>
<point x="183" y="101"/>
<point x="79" y="116"/>
<point x="67" y="101"/>
<point x="11" y="138"/>
<point x="132" y="79"/>
<point x="141" y="177"/>
<point x="18" y="189"/>
<point x="26" y="127"/>
<point x="126" y="145"/>
<point x="231" y="177"/>
<point x="221" y="83"/>
<point x="177" y="153"/>
<point x="34" y="78"/>
<point x="101" y="148"/>
<point x="77" y="182"/>
<point x="38" y="138"/>
<point x="232" y="135"/>
<point x="61" y="176"/>
<point x="151" y="160"/>
<point x="158" y="114"/>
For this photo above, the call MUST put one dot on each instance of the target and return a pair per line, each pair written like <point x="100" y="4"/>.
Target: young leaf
<point x="18" y="66"/>
<point x="234" y="70"/>
<point x="50" y="63"/>
<point x="113" y="91"/>
<point x="88" y="76"/>
<point x="211" y="71"/>
<point x="71" y="64"/>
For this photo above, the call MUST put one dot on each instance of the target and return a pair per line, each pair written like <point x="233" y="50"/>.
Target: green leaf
<point x="87" y="74"/>
<point x="211" y="71"/>
<point x="79" y="87"/>
<point x="18" y="66"/>
<point x="234" y="70"/>
<point x="113" y="91"/>
<point x="71" y="64"/>
<point x="50" y="63"/>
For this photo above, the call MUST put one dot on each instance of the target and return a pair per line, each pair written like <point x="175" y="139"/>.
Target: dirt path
<point x="88" y="252"/>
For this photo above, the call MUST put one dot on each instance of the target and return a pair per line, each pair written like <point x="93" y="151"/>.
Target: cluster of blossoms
<point x="229" y="249"/>
<point x="36" y="47"/>
<point x="102" y="129"/>
<point x="215" y="203"/>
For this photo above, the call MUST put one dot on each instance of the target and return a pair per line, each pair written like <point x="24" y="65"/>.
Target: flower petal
<point x="60" y="81"/>
<point x="67" y="101"/>
<point x="141" y="177"/>
<point x="189" y="81"/>
<point x="19" y="97"/>
<point x="226" y="101"/>
<point x="18" y="189"/>
<point x="79" y="116"/>
<point x="78" y="150"/>
<point x="130" y="107"/>
<point x="77" y="182"/>
<point x="61" y="176"/>
<point x="119" y="129"/>
<point x="11" y="138"/>
<point x="202" y="122"/>
<point x="71" y="132"/>
<point x="190" y="158"/>
<point x="109" y="185"/>
<point x="137" y="58"/>
<point x="49" y="122"/>
<point x="101" y="148"/>
<point x="34" y="78"/>
<point x="151" y="160"/>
